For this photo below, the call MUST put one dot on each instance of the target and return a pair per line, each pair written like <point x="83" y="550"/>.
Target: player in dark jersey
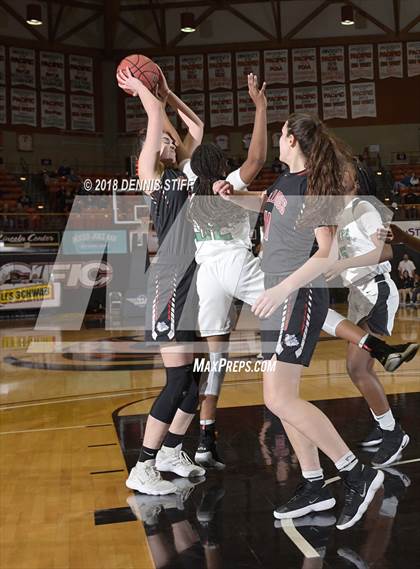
<point x="295" y="304"/>
<point x="170" y="284"/>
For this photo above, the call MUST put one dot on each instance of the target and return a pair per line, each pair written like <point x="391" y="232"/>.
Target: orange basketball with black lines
<point x="143" y="68"/>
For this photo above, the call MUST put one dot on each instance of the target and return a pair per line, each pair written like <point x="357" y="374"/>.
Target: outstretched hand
<point x="128" y="82"/>
<point x="257" y="95"/>
<point x="223" y="189"/>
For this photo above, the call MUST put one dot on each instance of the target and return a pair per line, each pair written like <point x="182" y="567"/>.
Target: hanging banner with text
<point x="246" y="108"/>
<point x="167" y="64"/>
<point x="390" y="60"/>
<point x="53" y="110"/>
<point x="276" y="66"/>
<point x="81" y="73"/>
<point x="413" y="58"/>
<point x="334" y="102"/>
<point x="192" y="72"/>
<point x="219" y="66"/>
<point x="51" y="66"/>
<point x="2" y="65"/>
<point x="197" y="103"/>
<point x="332" y="64"/>
<point x="82" y="113"/>
<point x="221" y="109"/>
<point x="135" y="115"/>
<point x="304" y="65"/>
<point x="23" y="107"/>
<point x="363" y="100"/>
<point x="22" y="66"/>
<point x="361" y="62"/>
<point x="278" y="105"/>
<point x="306" y="99"/>
<point x="3" y="115"/>
<point x="246" y="62"/>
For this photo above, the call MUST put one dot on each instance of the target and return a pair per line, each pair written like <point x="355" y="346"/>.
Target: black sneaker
<point x="361" y="485"/>
<point x="391" y="357"/>
<point x="392" y="445"/>
<point x="308" y="497"/>
<point x="207" y="455"/>
<point x="373" y="439"/>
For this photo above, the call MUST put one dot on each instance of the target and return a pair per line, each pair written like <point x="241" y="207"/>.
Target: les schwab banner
<point x="29" y="296"/>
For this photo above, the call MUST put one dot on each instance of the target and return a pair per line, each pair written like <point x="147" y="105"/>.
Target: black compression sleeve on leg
<point x="178" y="383"/>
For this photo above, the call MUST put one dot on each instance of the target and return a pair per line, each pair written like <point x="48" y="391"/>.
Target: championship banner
<point x="2" y="65"/>
<point x="192" y="72"/>
<point x="197" y="104"/>
<point x="135" y="115"/>
<point x="17" y="238"/>
<point x="363" y="100"/>
<point x="167" y="64"/>
<point x="276" y="66"/>
<point x="334" y="102"/>
<point x="221" y="109"/>
<point x="246" y="62"/>
<point x="23" y="104"/>
<point x="53" y="110"/>
<point x="332" y="64"/>
<point x="278" y="105"/>
<point x="306" y="99"/>
<point x="219" y="66"/>
<point x="246" y="108"/>
<point x="361" y="62"/>
<point x="51" y="67"/>
<point x="26" y="296"/>
<point x="413" y="58"/>
<point x="3" y="115"/>
<point x="390" y="60"/>
<point x="81" y="73"/>
<point x="82" y="111"/>
<point x="22" y="66"/>
<point x="304" y="65"/>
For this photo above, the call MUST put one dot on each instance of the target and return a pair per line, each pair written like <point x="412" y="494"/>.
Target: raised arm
<point x="150" y="153"/>
<point x="257" y="152"/>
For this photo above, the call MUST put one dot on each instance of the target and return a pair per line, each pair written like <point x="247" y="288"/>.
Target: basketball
<point x="143" y="68"/>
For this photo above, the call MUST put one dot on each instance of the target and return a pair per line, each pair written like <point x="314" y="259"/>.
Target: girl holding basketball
<point x="171" y="287"/>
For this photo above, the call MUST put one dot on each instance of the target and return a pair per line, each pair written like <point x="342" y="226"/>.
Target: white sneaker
<point x="145" y="478"/>
<point x="176" y="460"/>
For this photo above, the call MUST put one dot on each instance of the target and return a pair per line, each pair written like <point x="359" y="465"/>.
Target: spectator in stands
<point x="406" y="182"/>
<point x="25" y="200"/>
<point x="416" y="290"/>
<point x="406" y="264"/>
<point x="63" y="171"/>
<point x="406" y="287"/>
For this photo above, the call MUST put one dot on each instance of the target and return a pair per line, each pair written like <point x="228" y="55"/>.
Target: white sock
<point x="386" y="421"/>
<point x="206" y="422"/>
<point x="363" y="340"/>
<point x="346" y="462"/>
<point x="313" y="475"/>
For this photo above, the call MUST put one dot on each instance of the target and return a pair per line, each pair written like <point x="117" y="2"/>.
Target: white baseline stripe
<point x="292" y="533"/>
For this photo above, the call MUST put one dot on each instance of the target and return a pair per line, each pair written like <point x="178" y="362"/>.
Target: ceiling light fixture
<point x="347" y="16"/>
<point x="187" y="22"/>
<point x="34" y="14"/>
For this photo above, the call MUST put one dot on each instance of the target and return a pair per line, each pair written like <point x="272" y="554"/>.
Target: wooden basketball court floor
<point x="72" y="414"/>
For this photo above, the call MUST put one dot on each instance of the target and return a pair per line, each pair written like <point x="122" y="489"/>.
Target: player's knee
<point x="356" y="370"/>
<point x="178" y="384"/>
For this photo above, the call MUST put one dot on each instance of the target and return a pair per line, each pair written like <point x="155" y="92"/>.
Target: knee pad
<point x="189" y="403"/>
<point x="178" y="383"/>
<point x="332" y="320"/>
<point x="211" y="382"/>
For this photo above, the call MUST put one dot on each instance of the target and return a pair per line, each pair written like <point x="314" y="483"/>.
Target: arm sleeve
<point x="235" y="179"/>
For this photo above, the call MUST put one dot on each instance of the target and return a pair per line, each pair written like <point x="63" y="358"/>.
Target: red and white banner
<point x="81" y="73"/>
<point x="413" y="58"/>
<point x="332" y="64"/>
<point x="3" y="115"/>
<point x="197" y="103"/>
<point x="361" y="62"/>
<point x="276" y="66"/>
<point x="2" y="65"/>
<point x="23" y="105"/>
<point x="363" y="100"/>
<point x="51" y="66"/>
<point x="334" y="102"/>
<point x="192" y="72"/>
<point x="219" y="67"/>
<point x="306" y="99"/>
<point x="82" y="111"/>
<point x="304" y="65"/>
<point x="221" y="109"/>
<point x="22" y="66"/>
<point x="278" y="105"/>
<point x="246" y="62"/>
<point x="246" y="108"/>
<point x="135" y="115"/>
<point x="167" y="64"/>
<point x="53" y="110"/>
<point x="390" y="60"/>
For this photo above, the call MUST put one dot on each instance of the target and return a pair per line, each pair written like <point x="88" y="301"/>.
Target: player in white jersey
<point x="373" y="303"/>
